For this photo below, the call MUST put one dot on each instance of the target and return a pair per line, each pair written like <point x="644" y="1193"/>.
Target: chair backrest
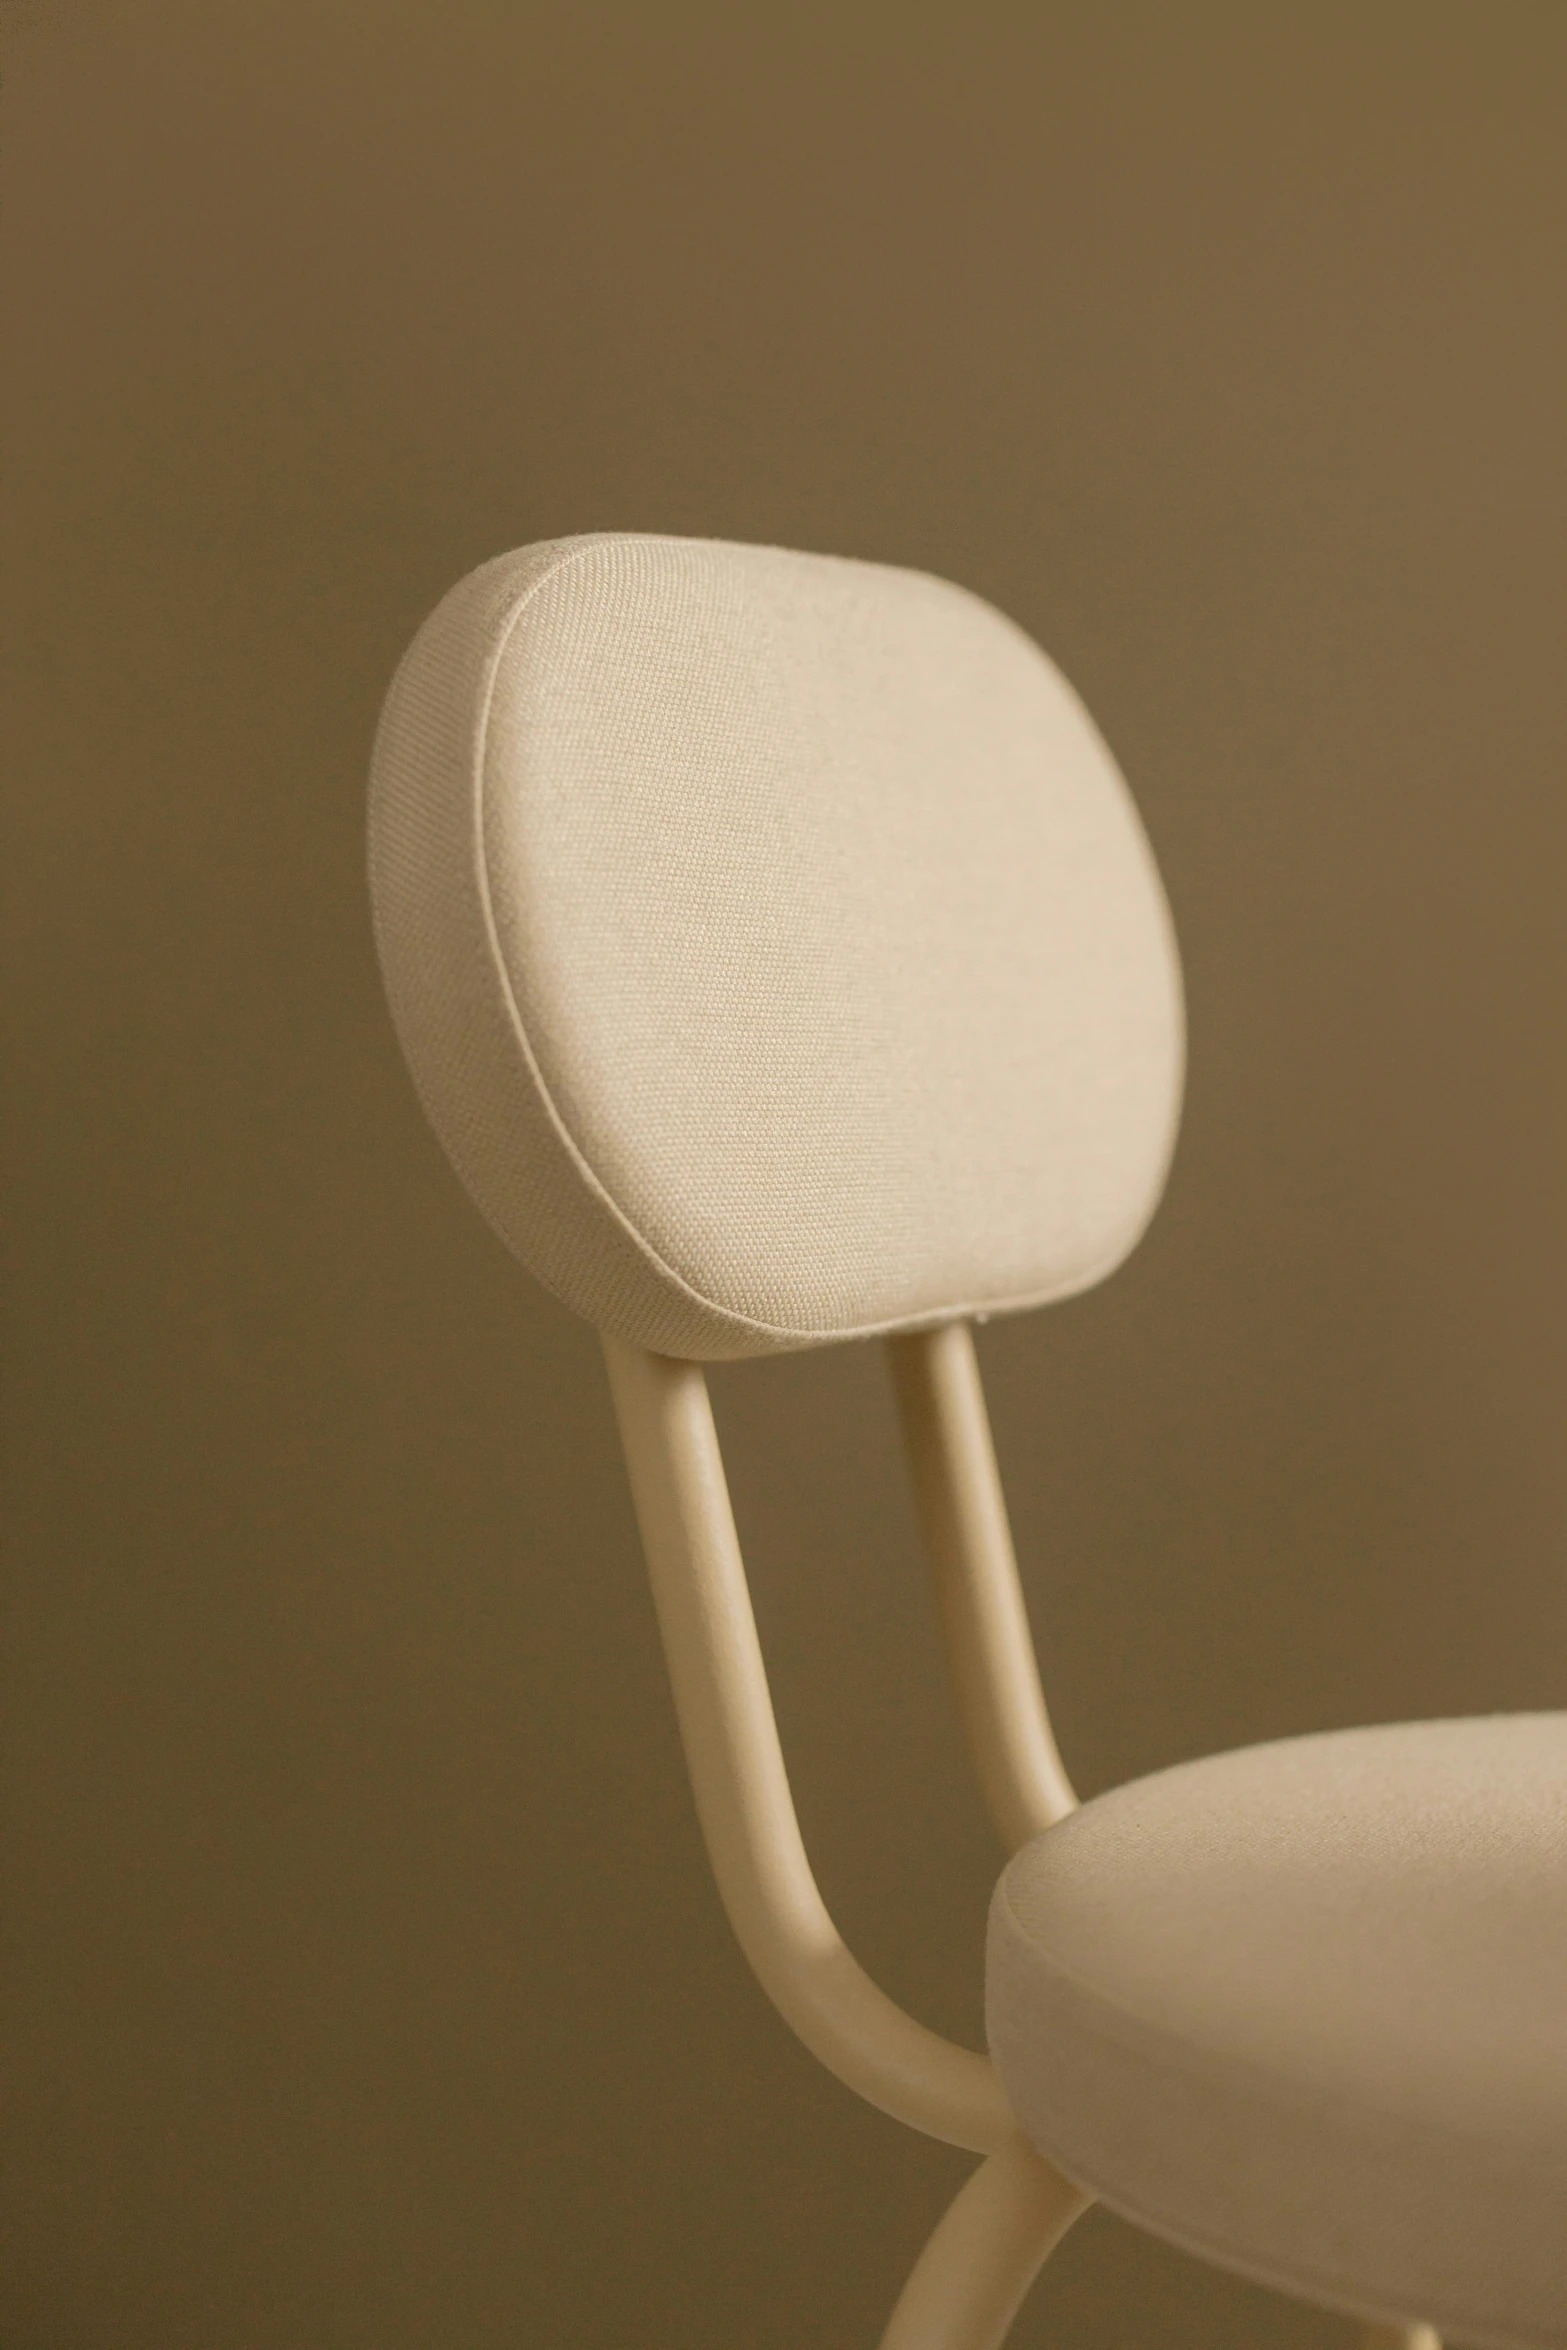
<point x="773" y="942"/>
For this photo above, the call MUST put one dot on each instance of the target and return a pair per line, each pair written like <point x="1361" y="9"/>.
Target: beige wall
<point x="363" y="1989"/>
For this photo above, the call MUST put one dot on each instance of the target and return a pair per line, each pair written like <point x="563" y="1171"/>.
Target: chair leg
<point x="968" y="2283"/>
<point x="1400" y="2338"/>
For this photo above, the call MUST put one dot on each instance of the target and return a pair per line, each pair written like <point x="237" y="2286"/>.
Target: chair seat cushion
<point x="1303" y="2009"/>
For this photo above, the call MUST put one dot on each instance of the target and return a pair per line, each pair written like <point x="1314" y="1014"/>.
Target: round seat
<point x="1303" y="2009"/>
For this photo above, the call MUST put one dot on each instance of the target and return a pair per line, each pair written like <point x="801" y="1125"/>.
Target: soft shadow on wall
<point x="363" y="1984"/>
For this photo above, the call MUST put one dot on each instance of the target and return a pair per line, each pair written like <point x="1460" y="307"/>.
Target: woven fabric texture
<point x="773" y="942"/>
<point x="1300" y="2009"/>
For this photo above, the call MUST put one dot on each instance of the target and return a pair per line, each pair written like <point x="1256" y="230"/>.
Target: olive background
<point x="363" y="1987"/>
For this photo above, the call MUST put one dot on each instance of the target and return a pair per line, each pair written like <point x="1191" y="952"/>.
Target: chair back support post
<point x="741" y="1787"/>
<point x="984" y="1622"/>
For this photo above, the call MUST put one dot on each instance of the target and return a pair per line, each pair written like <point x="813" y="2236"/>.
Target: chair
<point x="779" y="958"/>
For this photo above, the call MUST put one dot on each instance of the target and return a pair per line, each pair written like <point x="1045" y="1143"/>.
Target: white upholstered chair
<point x="779" y="958"/>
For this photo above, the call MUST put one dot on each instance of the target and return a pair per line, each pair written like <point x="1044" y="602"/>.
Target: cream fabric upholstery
<point x="774" y="945"/>
<point x="1304" y="2009"/>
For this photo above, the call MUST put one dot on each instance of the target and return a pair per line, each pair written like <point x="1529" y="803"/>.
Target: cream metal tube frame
<point x="968" y="2283"/>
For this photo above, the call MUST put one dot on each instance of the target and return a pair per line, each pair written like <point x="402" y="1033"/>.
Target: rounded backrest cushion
<point x="773" y="943"/>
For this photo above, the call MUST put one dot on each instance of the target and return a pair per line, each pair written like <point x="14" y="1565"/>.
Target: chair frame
<point x="969" y="2281"/>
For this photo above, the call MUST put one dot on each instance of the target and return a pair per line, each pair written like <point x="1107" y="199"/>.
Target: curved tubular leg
<point x="1400" y="2338"/>
<point x="737" y="1773"/>
<point x="969" y="2281"/>
<point x="985" y="1625"/>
